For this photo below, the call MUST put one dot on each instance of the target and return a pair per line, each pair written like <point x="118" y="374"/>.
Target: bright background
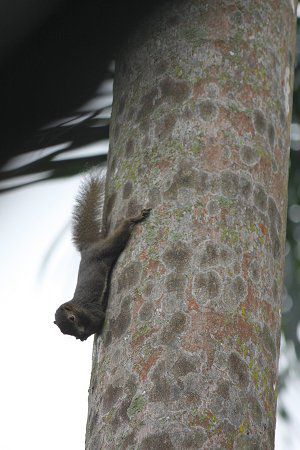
<point x="44" y="375"/>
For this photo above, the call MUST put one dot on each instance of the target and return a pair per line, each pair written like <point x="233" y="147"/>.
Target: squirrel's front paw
<point x="145" y="212"/>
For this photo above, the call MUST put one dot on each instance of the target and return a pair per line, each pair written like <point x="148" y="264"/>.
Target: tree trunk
<point x="200" y="132"/>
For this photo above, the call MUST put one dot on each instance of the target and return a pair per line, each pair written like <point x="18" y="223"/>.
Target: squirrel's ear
<point x="67" y="308"/>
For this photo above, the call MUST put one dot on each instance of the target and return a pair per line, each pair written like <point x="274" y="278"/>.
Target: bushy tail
<point x="88" y="210"/>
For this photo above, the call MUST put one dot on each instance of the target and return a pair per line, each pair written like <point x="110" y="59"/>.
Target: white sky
<point x="45" y="375"/>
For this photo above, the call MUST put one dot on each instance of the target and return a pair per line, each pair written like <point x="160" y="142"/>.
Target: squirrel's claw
<point x="145" y="212"/>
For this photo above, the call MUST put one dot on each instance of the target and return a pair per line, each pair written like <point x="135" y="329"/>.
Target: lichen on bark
<point x="200" y="133"/>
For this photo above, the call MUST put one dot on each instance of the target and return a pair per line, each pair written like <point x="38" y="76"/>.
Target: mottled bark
<point x="200" y="132"/>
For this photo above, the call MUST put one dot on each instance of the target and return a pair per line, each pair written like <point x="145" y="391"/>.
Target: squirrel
<point x="84" y="315"/>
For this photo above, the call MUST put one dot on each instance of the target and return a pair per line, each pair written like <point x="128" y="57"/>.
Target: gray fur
<point x="87" y="215"/>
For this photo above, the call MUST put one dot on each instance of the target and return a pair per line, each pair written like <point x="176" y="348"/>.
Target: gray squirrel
<point x="84" y="315"/>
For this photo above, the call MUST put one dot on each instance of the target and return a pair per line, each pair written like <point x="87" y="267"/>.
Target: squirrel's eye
<point x="72" y="318"/>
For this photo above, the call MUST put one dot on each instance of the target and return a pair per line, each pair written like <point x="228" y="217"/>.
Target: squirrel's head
<point x="73" y="321"/>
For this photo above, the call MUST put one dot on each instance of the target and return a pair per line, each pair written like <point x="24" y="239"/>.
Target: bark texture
<point x="200" y="132"/>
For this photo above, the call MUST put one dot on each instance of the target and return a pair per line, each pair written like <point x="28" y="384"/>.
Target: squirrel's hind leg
<point x="115" y="242"/>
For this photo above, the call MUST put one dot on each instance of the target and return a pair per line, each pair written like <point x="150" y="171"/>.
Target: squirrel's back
<point x="88" y="210"/>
